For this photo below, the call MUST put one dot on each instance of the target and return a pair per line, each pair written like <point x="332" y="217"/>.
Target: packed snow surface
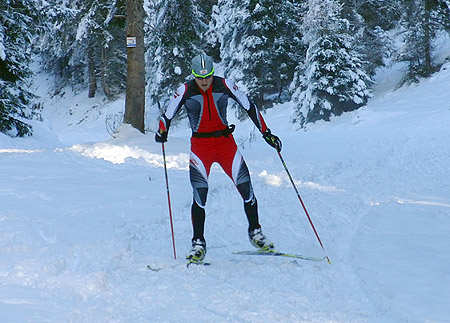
<point x="82" y="214"/>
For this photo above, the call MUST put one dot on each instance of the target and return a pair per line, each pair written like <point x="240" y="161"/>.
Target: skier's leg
<point x="198" y="221"/>
<point x="255" y="235"/>
<point x="251" y="211"/>
<point x="235" y="167"/>
<point x="250" y="203"/>
<point x="198" y="175"/>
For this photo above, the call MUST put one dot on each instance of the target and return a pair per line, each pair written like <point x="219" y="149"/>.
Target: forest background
<point x="321" y="55"/>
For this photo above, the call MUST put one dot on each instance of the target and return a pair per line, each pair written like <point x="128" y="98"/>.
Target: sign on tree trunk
<point x="135" y="94"/>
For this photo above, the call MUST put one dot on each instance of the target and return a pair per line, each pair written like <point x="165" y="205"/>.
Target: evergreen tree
<point x="205" y="10"/>
<point x="60" y="54"/>
<point x="422" y="21"/>
<point x="333" y="79"/>
<point x="271" y="50"/>
<point x="260" y="45"/>
<point x="104" y="35"/>
<point x="176" y="37"/>
<point x="17" y="18"/>
<point x="376" y="13"/>
<point x="226" y="31"/>
<point x="84" y="45"/>
<point x="370" y="21"/>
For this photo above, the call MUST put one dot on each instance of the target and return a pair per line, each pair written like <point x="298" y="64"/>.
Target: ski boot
<point x="197" y="254"/>
<point x="259" y="240"/>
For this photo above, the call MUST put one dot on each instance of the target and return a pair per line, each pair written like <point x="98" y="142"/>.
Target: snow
<point x="82" y="214"/>
<point x="2" y="51"/>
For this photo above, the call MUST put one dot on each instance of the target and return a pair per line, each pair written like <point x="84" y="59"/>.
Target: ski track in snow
<point x="80" y="221"/>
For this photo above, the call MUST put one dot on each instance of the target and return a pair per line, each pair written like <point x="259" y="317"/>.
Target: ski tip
<point x="328" y="260"/>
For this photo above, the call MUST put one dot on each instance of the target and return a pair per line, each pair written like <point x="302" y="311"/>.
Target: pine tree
<point x="204" y="8"/>
<point x="271" y="50"/>
<point x="60" y="54"/>
<point x="226" y="30"/>
<point x="17" y="18"/>
<point x="84" y="45"/>
<point x="176" y="37"/>
<point x="104" y="36"/>
<point x="371" y="21"/>
<point x="332" y="79"/>
<point x="260" y="45"/>
<point x="422" y="21"/>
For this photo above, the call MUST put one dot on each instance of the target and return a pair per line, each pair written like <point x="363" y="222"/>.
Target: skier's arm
<point x="253" y="112"/>
<point x="164" y="121"/>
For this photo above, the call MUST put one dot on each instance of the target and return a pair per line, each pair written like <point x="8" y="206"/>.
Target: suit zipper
<point x="209" y="105"/>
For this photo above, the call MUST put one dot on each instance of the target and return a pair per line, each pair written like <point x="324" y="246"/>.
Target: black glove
<point x="272" y="140"/>
<point x="161" y="136"/>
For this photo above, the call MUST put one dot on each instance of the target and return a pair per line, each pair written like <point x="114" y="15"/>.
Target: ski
<point x="198" y="263"/>
<point x="156" y="268"/>
<point x="278" y="254"/>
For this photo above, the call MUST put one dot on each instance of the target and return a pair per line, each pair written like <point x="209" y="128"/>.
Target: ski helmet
<point x="202" y="66"/>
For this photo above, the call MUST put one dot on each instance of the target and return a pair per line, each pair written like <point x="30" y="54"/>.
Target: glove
<point x="272" y="140"/>
<point x="161" y="136"/>
<point x="163" y="131"/>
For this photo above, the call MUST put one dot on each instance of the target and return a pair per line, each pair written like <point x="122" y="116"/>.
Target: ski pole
<point x="168" y="199"/>
<point x="303" y="204"/>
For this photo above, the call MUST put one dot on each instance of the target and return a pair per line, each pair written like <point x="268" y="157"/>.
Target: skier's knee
<point x="246" y="191"/>
<point x="200" y="195"/>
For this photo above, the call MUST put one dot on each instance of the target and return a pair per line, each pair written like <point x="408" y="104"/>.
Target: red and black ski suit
<point x="212" y="141"/>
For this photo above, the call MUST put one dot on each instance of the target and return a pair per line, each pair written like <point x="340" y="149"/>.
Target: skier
<point x="205" y="99"/>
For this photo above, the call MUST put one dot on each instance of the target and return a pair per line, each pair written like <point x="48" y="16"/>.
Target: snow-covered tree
<point x="60" y="56"/>
<point x="332" y="79"/>
<point x="260" y="45"/>
<point x="226" y="31"/>
<point x="422" y="21"/>
<point x="371" y="21"/>
<point x="84" y="45"/>
<point x="103" y="36"/>
<point x="175" y="38"/>
<point x="204" y="7"/>
<point x="205" y="10"/>
<point x="17" y="21"/>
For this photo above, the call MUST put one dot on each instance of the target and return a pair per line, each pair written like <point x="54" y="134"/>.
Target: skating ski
<point x="278" y="254"/>
<point x="198" y="263"/>
<point x="157" y="268"/>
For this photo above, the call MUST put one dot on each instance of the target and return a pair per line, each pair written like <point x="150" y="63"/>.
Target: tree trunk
<point x="91" y="72"/>
<point x="104" y="78"/>
<point x="135" y="93"/>
<point x="427" y="38"/>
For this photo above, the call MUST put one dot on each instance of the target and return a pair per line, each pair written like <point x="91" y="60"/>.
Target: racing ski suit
<point x="212" y="141"/>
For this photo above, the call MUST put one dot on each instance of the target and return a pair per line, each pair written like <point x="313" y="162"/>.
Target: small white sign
<point x="131" y="41"/>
